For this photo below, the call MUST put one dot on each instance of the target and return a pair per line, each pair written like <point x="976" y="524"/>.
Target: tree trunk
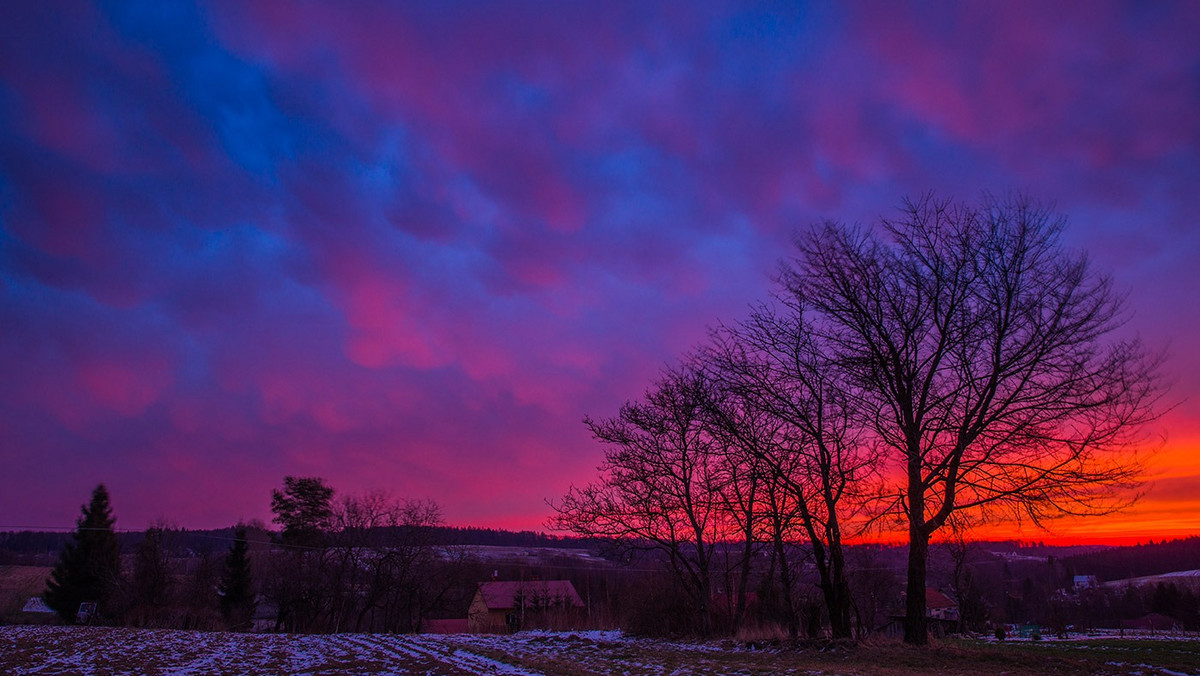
<point x="916" y="629"/>
<point x="838" y="601"/>
<point x="785" y="582"/>
<point x="831" y="569"/>
<point x="739" y="610"/>
<point x="705" y="603"/>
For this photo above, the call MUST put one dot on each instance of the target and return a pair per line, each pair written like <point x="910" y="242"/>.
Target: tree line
<point x="90" y="584"/>
<point x="955" y="365"/>
<point x="339" y="563"/>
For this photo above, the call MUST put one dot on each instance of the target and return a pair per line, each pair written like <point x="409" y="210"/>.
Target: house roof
<point x="504" y="595"/>
<point x="936" y="599"/>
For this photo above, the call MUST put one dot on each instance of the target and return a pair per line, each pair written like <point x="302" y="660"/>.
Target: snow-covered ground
<point x="26" y="650"/>
<point x="1048" y="636"/>
<point x="97" y="650"/>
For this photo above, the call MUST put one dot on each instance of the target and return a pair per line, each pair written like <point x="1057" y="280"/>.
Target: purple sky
<point x="409" y="246"/>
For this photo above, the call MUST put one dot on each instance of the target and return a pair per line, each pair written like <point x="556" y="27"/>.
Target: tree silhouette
<point x="299" y="586"/>
<point x="237" y="584"/>
<point x="982" y="356"/>
<point x="659" y="485"/>
<point x="304" y="508"/>
<point x="785" y="404"/>
<point x="152" y="579"/>
<point x="90" y="565"/>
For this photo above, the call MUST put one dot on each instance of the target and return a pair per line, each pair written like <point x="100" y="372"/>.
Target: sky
<point x="409" y="246"/>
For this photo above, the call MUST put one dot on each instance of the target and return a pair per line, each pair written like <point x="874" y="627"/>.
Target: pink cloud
<point x="385" y="243"/>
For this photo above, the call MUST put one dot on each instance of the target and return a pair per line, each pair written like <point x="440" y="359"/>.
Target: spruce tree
<point x="90" y="565"/>
<point x="237" y="584"/>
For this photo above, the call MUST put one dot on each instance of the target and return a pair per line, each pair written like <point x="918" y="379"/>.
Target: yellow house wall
<point x="481" y="620"/>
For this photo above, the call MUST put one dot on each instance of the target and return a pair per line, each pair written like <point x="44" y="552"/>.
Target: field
<point x="94" y="650"/>
<point x="17" y="585"/>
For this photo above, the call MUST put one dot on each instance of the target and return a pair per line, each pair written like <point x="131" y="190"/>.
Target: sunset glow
<point x="409" y="246"/>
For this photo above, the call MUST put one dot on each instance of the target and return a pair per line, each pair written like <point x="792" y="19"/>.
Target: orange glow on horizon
<point x="1168" y="509"/>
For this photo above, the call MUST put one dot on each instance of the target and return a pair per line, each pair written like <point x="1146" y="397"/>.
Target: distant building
<point x="941" y="610"/>
<point x="1086" y="582"/>
<point x="939" y="606"/>
<point x="511" y="606"/>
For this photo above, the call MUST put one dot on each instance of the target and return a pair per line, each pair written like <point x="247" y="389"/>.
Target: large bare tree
<point x="985" y="356"/>
<point x="784" y="403"/>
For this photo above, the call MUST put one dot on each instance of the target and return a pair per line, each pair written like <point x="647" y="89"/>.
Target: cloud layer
<point x="409" y="246"/>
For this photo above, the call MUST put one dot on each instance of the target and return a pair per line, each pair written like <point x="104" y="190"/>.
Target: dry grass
<point x="763" y="633"/>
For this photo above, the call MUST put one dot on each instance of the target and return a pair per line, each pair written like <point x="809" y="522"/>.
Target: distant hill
<point x="458" y="535"/>
<point x="1106" y="563"/>
<point x="1155" y="558"/>
<point x="1179" y="578"/>
<point x="41" y="548"/>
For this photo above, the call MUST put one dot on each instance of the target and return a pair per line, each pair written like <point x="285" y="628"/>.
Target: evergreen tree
<point x="304" y="508"/>
<point x="90" y="565"/>
<point x="237" y="584"/>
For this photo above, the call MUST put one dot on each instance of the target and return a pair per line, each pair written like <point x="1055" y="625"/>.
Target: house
<point x="941" y="610"/>
<point x="938" y="606"/>
<point x="1085" y="582"/>
<point x="504" y="606"/>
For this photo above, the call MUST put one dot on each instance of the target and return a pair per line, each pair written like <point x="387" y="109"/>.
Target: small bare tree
<point x="742" y="475"/>
<point x="382" y="566"/>
<point x="982" y="355"/>
<point x="659" y="488"/>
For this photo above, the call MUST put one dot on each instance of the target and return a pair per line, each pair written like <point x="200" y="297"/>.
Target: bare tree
<point x="658" y="487"/>
<point x="781" y="529"/>
<point x="151" y="585"/>
<point x="741" y="476"/>
<point x="959" y="547"/>
<point x="791" y="411"/>
<point x="378" y="569"/>
<point x="982" y="354"/>
<point x="406" y="578"/>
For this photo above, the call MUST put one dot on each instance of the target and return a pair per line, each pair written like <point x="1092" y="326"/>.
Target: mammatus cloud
<point x="410" y="246"/>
